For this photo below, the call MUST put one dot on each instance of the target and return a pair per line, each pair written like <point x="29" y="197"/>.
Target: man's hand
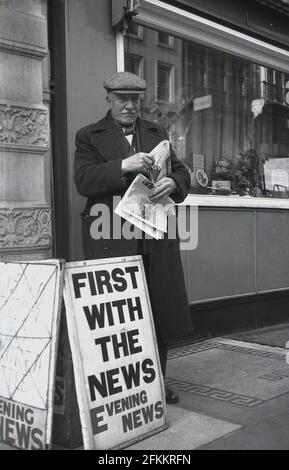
<point x="164" y="187"/>
<point x="139" y="162"/>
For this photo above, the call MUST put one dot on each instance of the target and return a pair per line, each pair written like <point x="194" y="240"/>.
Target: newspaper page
<point x="151" y="231"/>
<point x="136" y="206"/>
<point x="162" y="166"/>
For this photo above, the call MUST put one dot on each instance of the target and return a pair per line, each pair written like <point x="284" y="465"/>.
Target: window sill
<point x="235" y="201"/>
<point x="166" y="46"/>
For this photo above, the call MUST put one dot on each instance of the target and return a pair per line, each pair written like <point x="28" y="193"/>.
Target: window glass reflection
<point x="227" y="118"/>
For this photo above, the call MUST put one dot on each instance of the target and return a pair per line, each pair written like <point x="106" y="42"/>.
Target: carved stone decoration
<point x="25" y="228"/>
<point x="24" y="126"/>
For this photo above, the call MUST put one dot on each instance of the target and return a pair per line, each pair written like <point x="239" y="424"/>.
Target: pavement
<point x="234" y="394"/>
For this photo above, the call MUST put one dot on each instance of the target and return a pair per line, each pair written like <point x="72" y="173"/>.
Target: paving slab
<point x="187" y="431"/>
<point x="234" y="395"/>
<point x="271" y="434"/>
<point x="235" y="372"/>
<point x="277" y="335"/>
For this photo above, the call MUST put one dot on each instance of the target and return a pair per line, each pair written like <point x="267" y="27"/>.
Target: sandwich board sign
<point x="30" y="299"/>
<point x="117" y="371"/>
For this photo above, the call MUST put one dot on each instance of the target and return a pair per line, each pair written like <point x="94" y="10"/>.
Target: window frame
<point x="171" y="82"/>
<point x="161" y="16"/>
<point x="171" y="44"/>
<point x="140" y="64"/>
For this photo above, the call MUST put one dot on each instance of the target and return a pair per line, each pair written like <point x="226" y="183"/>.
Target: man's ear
<point x="108" y="99"/>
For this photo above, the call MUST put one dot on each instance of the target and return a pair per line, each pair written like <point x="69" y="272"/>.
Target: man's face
<point x="124" y="107"/>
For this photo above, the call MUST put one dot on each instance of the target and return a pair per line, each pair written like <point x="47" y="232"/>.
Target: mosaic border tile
<point x="274" y="377"/>
<point x="214" y="393"/>
<point x="207" y="345"/>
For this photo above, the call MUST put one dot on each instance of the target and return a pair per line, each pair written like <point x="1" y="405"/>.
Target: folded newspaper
<point x="136" y="206"/>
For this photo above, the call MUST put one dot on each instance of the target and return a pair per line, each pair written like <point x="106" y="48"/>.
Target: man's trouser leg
<point x="162" y="346"/>
<point x="163" y="350"/>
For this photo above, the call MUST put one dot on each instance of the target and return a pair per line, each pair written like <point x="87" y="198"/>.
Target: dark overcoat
<point x="100" y="149"/>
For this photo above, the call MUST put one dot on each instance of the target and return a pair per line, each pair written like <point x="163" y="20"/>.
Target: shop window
<point x="134" y="64"/>
<point x="165" y="81"/>
<point x="227" y="117"/>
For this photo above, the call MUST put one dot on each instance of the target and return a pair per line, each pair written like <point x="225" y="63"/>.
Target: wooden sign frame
<point x="118" y="377"/>
<point x="30" y="306"/>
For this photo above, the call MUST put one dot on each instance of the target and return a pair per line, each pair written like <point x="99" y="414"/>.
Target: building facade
<point x="25" y="191"/>
<point x="218" y="80"/>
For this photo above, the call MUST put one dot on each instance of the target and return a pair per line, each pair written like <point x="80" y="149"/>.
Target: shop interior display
<point x="226" y="117"/>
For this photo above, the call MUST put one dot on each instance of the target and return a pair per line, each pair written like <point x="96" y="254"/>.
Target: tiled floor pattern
<point x="236" y="372"/>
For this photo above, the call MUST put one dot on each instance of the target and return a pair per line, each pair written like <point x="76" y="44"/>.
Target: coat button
<point x="106" y="248"/>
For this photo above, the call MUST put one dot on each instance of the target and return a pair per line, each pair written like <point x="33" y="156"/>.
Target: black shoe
<point x="171" y="397"/>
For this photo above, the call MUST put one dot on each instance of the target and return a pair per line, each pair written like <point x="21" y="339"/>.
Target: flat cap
<point x="125" y="82"/>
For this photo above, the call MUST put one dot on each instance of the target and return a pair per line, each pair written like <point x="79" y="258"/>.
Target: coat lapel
<point x="108" y="140"/>
<point x="112" y="145"/>
<point x="149" y="136"/>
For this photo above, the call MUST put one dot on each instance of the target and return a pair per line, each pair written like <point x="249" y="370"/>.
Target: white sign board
<point x="276" y="172"/>
<point x="30" y="295"/>
<point x="203" y="102"/>
<point x="117" y="371"/>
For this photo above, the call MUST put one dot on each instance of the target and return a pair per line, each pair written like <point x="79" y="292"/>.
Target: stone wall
<point x="25" y="199"/>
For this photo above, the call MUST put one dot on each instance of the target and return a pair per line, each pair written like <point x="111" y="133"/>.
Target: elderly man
<point x="109" y="154"/>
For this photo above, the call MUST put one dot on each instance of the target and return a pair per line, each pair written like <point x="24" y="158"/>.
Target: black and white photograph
<point x="144" y="227"/>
